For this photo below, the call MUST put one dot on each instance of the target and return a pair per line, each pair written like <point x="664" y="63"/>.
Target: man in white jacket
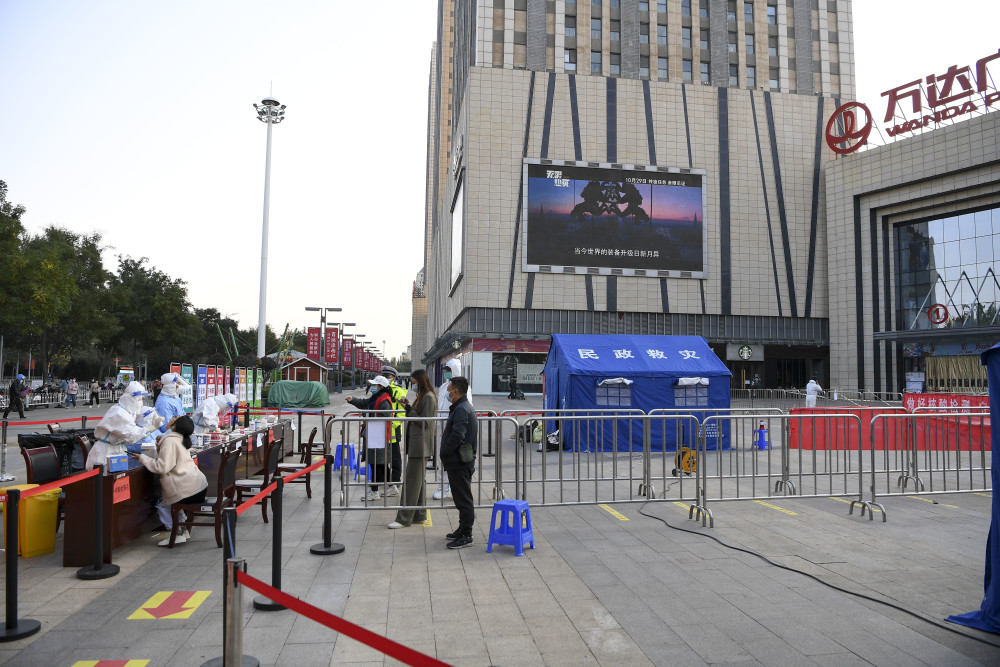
<point x="451" y="369"/>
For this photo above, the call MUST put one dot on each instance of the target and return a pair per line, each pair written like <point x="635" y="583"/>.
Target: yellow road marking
<point x="775" y="507"/>
<point x="613" y="512"/>
<point x="984" y="495"/>
<point x="428" y="523"/>
<point x="683" y="506"/>
<point x="845" y="500"/>
<point x="928" y="500"/>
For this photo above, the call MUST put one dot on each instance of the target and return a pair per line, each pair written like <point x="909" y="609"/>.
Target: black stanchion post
<point x="328" y="547"/>
<point x="489" y="441"/>
<point x="246" y="417"/>
<point x="14" y="628"/>
<point x="298" y="436"/>
<point x="261" y="602"/>
<point x="100" y="569"/>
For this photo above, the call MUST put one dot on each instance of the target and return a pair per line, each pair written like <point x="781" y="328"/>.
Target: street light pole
<point x="271" y="112"/>
<point x="322" y="331"/>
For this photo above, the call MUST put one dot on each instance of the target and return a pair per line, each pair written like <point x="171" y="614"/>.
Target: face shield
<point x="132" y="397"/>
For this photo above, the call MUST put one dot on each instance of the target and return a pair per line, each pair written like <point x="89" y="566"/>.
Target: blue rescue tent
<point x="607" y="372"/>
<point x="987" y="617"/>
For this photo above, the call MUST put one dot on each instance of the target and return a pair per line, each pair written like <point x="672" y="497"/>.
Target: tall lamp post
<point x="322" y="330"/>
<point x="271" y="112"/>
<point x="354" y="356"/>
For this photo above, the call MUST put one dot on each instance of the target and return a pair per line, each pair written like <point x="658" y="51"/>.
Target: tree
<point x="153" y="313"/>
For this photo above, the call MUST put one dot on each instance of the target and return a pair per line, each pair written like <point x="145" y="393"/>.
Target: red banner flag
<point x="331" y="345"/>
<point x="312" y="343"/>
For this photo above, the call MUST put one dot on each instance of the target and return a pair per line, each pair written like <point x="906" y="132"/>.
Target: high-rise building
<point x="623" y="166"/>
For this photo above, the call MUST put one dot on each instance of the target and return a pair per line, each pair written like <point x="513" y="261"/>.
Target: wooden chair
<point x="42" y="466"/>
<point x="251" y="487"/>
<point x="84" y="445"/>
<point x="305" y="460"/>
<point x="212" y="506"/>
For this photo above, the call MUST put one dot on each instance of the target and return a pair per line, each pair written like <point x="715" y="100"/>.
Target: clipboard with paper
<point x="376" y="430"/>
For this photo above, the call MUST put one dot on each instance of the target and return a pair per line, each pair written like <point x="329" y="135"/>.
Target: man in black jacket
<point x="460" y="430"/>
<point x="15" y="396"/>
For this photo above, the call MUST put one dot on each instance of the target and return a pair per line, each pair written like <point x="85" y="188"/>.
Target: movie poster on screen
<point x="644" y="221"/>
<point x="187" y="393"/>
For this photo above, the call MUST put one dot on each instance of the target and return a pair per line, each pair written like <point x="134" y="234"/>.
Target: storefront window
<point x="945" y="269"/>
<point x="527" y="367"/>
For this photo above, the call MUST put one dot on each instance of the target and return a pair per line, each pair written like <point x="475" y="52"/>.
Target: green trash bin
<point x="36" y="521"/>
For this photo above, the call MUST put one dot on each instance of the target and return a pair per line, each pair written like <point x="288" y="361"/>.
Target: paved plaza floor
<point x="616" y="584"/>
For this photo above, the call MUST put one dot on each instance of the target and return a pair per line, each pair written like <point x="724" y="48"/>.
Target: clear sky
<point x="134" y="120"/>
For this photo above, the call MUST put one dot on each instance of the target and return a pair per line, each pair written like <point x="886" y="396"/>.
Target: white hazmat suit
<point x="208" y="415"/>
<point x="127" y="423"/>
<point x="812" y="389"/>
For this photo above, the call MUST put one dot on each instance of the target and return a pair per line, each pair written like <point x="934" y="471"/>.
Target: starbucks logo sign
<point x="745" y="352"/>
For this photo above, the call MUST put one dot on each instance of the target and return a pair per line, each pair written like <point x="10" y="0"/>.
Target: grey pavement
<point x="605" y="585"/>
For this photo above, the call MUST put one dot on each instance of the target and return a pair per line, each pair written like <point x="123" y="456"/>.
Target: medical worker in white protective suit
<point x="124" y="427"/>
<point x="210" y="413"/>
<point x="812" y="389"/>
<point x="168" y="403"/>
<point x="451" y="369"/>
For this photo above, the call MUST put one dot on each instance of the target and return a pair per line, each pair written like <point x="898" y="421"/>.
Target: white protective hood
<point x="173" y="384"/>
<point x="456" y="369"/>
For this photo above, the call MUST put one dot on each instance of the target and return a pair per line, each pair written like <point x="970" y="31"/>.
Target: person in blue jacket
<point x="168" y="403"/>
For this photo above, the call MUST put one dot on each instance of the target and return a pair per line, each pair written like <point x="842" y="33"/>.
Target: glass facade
<point x="945" y="273"/>
<point x="527" y="366"/>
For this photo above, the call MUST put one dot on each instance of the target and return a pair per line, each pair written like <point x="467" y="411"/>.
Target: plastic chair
<point x="212" y="506"/>
<point x="252" y="487"/>
<point x="305" y="460"/>
<point x="42" y="466"/>
<point x="351" y="458"/>
<point x="513" y="527"/>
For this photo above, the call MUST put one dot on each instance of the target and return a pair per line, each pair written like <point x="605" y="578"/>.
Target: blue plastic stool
<point x="514" y="526"/>
<point x="363" y="468"/>
<point x="352" y="459"/>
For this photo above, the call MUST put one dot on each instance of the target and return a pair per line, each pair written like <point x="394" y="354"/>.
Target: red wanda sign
<point x="933" y="99"/>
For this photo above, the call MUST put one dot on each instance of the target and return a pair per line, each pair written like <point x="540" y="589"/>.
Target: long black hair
<point x="184" y="425"/>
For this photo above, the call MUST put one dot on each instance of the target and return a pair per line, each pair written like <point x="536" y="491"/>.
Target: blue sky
<point x="134" y="119"/>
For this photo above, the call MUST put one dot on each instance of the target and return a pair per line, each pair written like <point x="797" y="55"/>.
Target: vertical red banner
<point x="228" y="388"/>
<point x="312" y="343"/>
<point x="331" y="345"/>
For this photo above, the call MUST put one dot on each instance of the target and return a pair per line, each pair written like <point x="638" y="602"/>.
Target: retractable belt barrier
<point x="15" y="628"/>
<point x="272" y="598"/>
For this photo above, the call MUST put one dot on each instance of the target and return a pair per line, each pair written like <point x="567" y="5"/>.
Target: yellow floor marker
<point x="613" y="512"/>
<point x="170" y="604"/>
<point x="428" y="523"/>
<point x="111" y="663"/>
<point x="844" y="500"/>
<point x="775" y="507"/>
<point x="928" y="500"/>
<point x="984" y="495"/>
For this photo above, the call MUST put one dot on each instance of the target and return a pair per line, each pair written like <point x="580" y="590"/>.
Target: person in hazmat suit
<point x="211" y="412"/>
<point x="124" y="427"/>
<point x="451" y="369"/>
<point x="169" y="404"/>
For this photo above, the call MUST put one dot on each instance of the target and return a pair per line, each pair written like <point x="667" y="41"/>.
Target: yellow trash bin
<point x="36" y="521"/>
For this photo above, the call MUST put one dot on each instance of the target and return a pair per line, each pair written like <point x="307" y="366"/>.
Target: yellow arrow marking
<point x="191" y="601"/>
<point x="613" y="512"/>
<point x="775" y="507"/>
<point x="102" y="663"/>
<point x="928" y="500"/>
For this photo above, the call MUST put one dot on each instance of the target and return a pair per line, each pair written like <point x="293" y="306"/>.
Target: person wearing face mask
<point x="169" y="403"/>
<point x="211" y="413"/>
<point x="451" y="369"/>
<point x="124" y="427"/>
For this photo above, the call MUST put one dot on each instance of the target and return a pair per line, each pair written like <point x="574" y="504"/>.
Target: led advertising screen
<point x="643" y="221"/>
